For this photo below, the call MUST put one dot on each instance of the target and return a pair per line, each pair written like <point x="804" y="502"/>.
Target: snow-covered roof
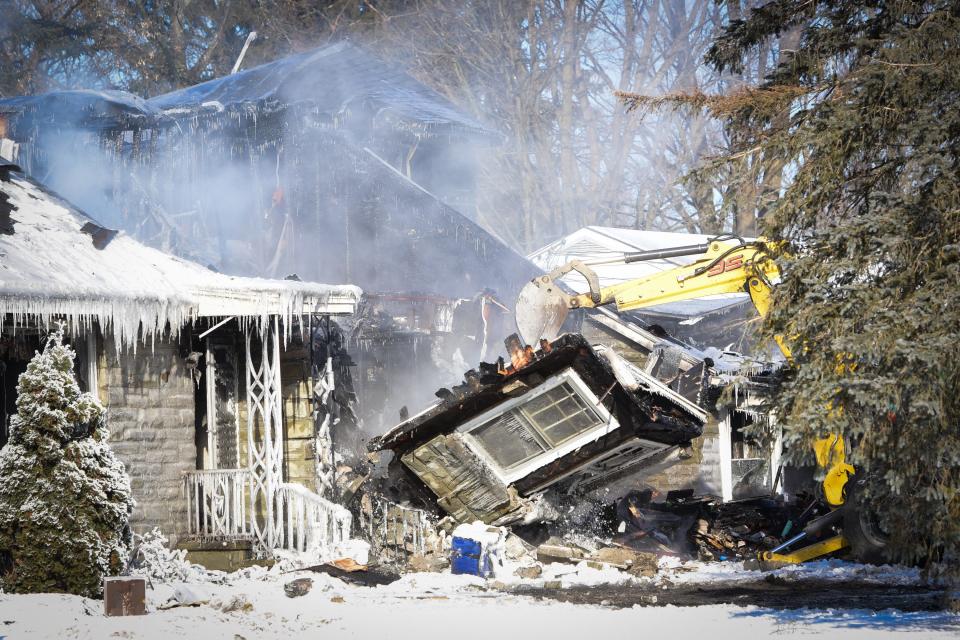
<point x="605" y="243"/>
<point x="56" y="261"/>
<point x="333" y="78"/>
<point x="73" y="106"/>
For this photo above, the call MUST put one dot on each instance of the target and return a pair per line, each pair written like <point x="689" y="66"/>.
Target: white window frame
<point x="608" y="423"/>
<point x="725" y="437"/>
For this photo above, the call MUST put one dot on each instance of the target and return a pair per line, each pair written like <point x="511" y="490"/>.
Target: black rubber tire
<point x="861" y="527"/>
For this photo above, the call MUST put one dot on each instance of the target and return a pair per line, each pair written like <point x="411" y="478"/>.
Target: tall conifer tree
<point x="866" y="114"/>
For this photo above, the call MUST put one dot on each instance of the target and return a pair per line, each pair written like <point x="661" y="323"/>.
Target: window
<point x="535" y="425"/>
<point x="559" y="414"/>
<point x="508" y="440"/>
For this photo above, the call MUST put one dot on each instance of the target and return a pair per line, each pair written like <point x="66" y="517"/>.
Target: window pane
<point x="570" y="406"/>
<point x="507" y="440"/>
<point x="560" y="414"/>
<point x="548" y="417"/>
<point x="568" y="428"/>
<point x="545" y="400"/>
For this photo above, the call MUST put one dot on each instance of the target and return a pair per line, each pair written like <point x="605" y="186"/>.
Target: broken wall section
<point x="697" y="467"/>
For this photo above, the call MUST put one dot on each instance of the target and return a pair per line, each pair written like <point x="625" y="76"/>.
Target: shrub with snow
<point x="64" y="498"/>
<point x="151" y="557"/>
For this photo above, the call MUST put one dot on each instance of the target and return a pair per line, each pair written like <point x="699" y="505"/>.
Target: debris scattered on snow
<point x="529" y="573"/>
<point x="239" y="602"/>
<point x="356" y="575"/>
<point x="356" y="550"/>
<point x="186" y="595"/>
<point x="298" y="587"/>
<point x="559" y="553"/>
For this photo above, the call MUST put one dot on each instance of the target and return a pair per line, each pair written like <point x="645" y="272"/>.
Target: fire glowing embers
<point x="522" y="355"/>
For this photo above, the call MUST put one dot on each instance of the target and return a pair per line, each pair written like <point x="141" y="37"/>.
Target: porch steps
<point x="222" y="555"/>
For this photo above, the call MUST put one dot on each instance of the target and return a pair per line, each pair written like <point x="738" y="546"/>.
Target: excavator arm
<point x="724" y="265"/>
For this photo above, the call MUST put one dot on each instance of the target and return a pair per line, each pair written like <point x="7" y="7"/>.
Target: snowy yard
<point x="252" y="604"/>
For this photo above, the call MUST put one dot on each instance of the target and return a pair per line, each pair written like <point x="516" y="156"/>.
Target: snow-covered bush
<point x="151" y="557"/>
<point x="64" y="498"/>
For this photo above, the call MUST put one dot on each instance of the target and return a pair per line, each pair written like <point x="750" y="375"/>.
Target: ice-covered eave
<point x="281" y="301"/>
<point x="126" y="317"/>
<point x="51" y="270"/>
<point x="132" y="319"/>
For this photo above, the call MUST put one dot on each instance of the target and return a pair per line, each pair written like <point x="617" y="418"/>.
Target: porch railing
<point x="218" y="508"/>
<point x="309" y="522"/>
<point x="217" y="504"/>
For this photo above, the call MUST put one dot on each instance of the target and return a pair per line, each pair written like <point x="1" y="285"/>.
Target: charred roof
<point x="653" y="411"/>
<point x="83" y="107"/>
<point x="340" y="81"/>
<point x="334" y="79"/>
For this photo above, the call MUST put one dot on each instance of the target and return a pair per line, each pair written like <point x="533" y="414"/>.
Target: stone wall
<point x="150" y="412"/>
<point x="298" y="456"/>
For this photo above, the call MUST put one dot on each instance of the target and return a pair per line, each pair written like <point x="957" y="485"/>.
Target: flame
<point x="520" y="355"/>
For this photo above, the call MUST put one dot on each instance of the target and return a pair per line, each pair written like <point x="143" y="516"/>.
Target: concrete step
<point x="222" y="555"/>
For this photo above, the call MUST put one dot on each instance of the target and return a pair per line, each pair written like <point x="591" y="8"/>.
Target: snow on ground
<point x="252" y="604"/>
<point x="694" y="572"/>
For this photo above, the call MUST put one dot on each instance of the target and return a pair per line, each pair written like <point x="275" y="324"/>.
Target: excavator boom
<point x="725" y="265"/>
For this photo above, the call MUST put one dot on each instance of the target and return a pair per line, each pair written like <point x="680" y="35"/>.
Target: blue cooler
<point x="466" y="557"/>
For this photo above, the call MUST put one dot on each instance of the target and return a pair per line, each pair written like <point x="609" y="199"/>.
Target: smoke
<point x="300" y="170"/>
<point x="545" y="76"/>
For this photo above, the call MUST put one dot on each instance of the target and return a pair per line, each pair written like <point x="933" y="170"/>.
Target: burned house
<point x="218" y="388"/>
<point x="329" y="164"/>
<point x="513" y="442"/>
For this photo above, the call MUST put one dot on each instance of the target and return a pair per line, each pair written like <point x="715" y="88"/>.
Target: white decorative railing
<point x="217" y="504"/>
<point x="308" y="521"/>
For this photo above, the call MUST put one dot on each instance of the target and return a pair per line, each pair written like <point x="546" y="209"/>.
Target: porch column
<point x="324" y="385"/>
<point x="265" y="437"/>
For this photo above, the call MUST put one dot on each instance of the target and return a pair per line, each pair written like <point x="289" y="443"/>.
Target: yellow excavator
<point x="724" y="264"/>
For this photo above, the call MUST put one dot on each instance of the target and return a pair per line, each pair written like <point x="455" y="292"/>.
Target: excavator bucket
<point x="541" y="310"/>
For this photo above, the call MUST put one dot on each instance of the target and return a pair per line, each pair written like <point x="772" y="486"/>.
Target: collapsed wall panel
<point x="464" y="486"/>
